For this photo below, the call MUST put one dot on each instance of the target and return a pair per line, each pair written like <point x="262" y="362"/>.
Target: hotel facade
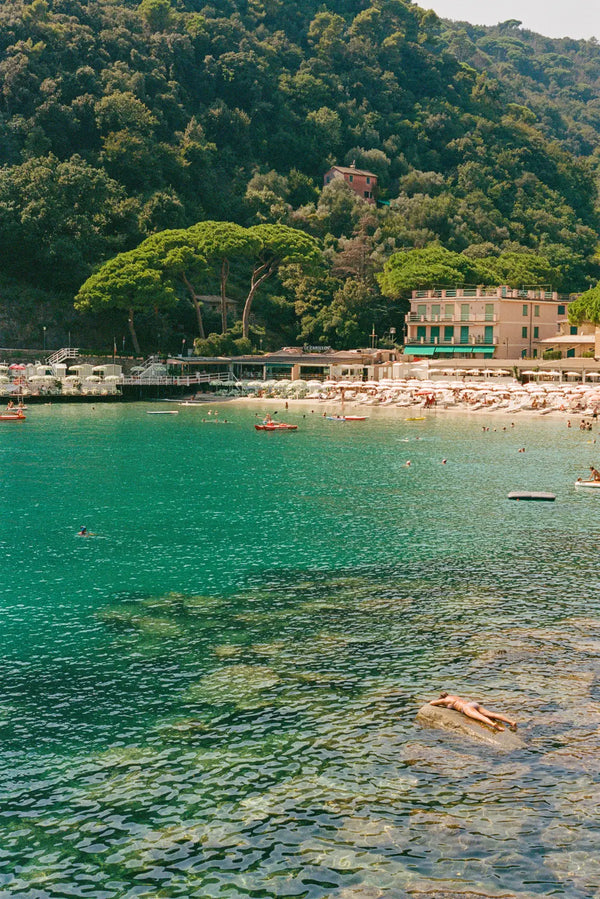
<point x="484" y="322"/>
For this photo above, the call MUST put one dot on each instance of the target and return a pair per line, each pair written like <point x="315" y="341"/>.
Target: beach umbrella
<point x="299" y="382"/>
<point x="4" y="379"/>
<point x="16" y="366"/>
<point x="93" y="378"/>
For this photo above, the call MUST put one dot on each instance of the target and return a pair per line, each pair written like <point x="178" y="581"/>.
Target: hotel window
<point x="434" y="335"/>
<point x="573" y="329"/>
<point x="523" y="331"/>
<point x="422" y="312"/>
<point x="448" y="334"/>
<point x="562" y="310"/>
<point x="449" y="311"/>
<point x="435" y="312"/>
<point x="489" y="312"/>
<point x="465" y="310"/>
<point x="488" y="334"/>
<point x="525" y="309"/>
<point x="536" y="310"/>
<point x="536" y="333"/>
<point x="368" y="180"/>
<point x="464" y="333"/>
<point x="421" y="334"/>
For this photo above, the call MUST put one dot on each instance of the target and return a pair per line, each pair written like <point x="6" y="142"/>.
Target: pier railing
<point x="177" y="380"/>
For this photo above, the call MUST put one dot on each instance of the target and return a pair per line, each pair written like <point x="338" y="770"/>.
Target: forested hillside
<point x="121" y="119"/>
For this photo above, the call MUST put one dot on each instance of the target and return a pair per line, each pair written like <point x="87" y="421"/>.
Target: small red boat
<point x="275" y="426"/>
<point x="12" y="416"/>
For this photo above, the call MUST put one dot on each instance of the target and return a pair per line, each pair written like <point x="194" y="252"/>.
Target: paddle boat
<point x="12" y="416"/>
<point x="269" y="425"/>
<point x="593" y="484"/>
<point x="347" y="417"/>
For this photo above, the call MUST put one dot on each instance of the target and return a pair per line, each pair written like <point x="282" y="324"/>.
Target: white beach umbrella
<point x="4" y="379"/>
<point x="93" y="378"/>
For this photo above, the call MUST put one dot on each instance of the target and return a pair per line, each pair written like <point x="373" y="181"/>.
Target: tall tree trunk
<point x="260" y="274"/>
<point x="134" y="340"/>
<point x="224" y="277"/>
<point x="197" y="306"/>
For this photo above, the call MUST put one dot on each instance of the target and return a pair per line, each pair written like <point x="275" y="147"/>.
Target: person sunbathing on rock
<point x="473" y="710"/>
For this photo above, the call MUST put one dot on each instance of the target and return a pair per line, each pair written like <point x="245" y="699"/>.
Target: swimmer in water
<point x="83" y="532"/>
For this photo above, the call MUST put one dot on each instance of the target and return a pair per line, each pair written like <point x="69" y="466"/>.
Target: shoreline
<point x="337" y="407"/>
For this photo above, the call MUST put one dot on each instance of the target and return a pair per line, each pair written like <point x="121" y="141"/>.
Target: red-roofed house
<point x="363" y="183"/>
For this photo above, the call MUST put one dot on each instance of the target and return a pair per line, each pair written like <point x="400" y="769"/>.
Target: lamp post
<point x="44" y="336"/>
<point x="183" y="342"/>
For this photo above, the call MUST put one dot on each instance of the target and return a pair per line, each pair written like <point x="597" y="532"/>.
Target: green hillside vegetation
<point x="125" y="122"/>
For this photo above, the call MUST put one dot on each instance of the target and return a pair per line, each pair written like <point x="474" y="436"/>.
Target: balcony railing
<point x="476" y="340"/>
<point x="429" y="317"/>
<point x="503" y="292"/>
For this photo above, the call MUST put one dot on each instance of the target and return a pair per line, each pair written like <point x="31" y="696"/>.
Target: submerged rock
<point x="237" y="684"/>
<point x="448" y="719"/>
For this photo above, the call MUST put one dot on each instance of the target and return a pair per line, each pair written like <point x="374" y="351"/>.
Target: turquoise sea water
<point x="216" y="695"/>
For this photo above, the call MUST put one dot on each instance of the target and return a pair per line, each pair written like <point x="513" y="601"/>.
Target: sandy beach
<point x="576" y="402"/>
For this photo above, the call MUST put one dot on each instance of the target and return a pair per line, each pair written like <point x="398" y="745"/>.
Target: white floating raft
<point x="533" y="495"/>
<point x="580" y="483"/>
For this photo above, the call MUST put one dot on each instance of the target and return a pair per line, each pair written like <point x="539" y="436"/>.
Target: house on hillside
<point x="363" y="183"/>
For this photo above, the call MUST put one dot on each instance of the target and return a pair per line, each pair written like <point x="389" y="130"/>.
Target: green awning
<point x="419" y="350"/>
<point x="469" y="348"/>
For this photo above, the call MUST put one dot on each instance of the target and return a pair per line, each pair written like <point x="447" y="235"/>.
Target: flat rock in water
<point x="448" y="719"/>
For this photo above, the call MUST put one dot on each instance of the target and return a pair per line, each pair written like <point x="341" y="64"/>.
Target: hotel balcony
<point x="499" y="292"/>
<point x="439" y="342"/>
<point x="458" y="317"/>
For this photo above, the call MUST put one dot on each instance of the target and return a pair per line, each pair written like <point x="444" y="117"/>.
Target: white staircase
<point x="62" y="354"/>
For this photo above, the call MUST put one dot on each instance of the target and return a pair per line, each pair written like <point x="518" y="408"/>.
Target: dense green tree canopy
<point x="586" y="308"/>
<point x="120" y="119"/>
<point x="129" y="282"/>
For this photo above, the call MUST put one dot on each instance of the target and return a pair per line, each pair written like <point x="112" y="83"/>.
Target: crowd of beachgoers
<point x="485" y="394"/>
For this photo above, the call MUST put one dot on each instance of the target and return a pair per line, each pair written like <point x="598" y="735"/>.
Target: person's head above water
<point x="443" y="695"/>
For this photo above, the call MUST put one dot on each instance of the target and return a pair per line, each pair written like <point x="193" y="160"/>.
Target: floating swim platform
<point x="163" y="412"/>
<point x="535" y="496"/>
<point x="581" y="483"/>
<point x="420" y="418"/>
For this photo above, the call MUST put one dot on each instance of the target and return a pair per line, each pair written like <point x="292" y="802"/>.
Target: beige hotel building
<point x="488" y="322"/>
